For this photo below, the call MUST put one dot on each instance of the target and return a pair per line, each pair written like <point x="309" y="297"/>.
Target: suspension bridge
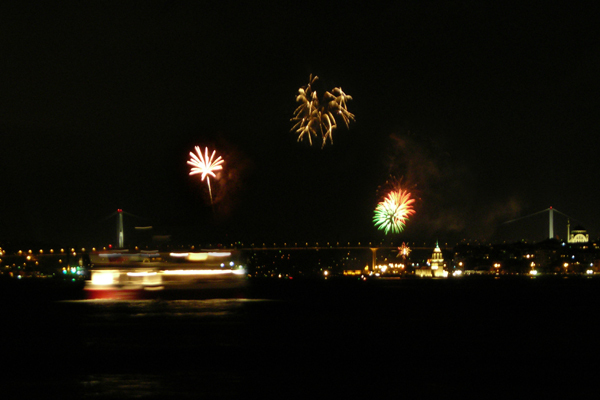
<point x="550" y="211"/>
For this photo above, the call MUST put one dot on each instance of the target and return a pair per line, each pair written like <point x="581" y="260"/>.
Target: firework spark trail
<point x="205" y="165"/>
<point x="313" y="115"/>
<point x="392" y="213"/>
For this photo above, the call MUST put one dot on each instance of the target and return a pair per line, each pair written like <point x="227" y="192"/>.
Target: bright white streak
<point x="205" y="166"/>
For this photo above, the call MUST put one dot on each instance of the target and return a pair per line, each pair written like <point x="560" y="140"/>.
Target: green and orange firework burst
<point x="392" y="213"/>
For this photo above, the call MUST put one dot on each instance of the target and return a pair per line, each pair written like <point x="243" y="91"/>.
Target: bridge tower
<point x="551" y="224"/>
<point x="120" y="234"/>
<point x="374" y="259"/>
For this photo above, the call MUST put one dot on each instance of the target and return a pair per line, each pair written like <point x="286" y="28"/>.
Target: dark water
<point x="485" y="338"/>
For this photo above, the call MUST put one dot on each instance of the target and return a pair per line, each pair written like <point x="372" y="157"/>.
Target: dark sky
<point x="489" y="112"/>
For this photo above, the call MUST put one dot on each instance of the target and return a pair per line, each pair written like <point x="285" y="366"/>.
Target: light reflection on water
<point x="162" y="348"/>
<point x="164" y="308"/>
<point x="122" y="385"/>
<point x="235" y="348"/>
<point x="160" y="386"/>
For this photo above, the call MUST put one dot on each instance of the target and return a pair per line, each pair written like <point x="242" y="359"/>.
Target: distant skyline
<point x="488" y="112"/>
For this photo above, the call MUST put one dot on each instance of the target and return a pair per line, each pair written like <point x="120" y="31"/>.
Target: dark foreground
<point x="473" y="337"/>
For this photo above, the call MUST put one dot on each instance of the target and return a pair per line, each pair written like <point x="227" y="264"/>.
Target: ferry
<point x="122" y="275"/>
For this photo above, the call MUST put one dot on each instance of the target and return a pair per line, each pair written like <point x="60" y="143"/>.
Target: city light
<point x="197" y="256"/>
<point x="104" y="277"/>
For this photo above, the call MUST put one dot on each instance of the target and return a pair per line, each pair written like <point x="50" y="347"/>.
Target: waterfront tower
<point x="437" y="262"/>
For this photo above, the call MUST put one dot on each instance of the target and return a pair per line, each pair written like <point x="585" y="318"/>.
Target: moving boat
<point x="151" y="274"/>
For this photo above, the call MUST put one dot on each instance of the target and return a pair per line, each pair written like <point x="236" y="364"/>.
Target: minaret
<point x="120" y="235"/>
<point x="568" y="230"/>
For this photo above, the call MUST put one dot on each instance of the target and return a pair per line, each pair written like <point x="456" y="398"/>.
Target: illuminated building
<point x="435" y="265"/>
<point x="577" y="235"/>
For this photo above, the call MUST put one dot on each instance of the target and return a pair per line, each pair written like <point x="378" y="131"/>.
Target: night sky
<point x="488" y="113"/>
